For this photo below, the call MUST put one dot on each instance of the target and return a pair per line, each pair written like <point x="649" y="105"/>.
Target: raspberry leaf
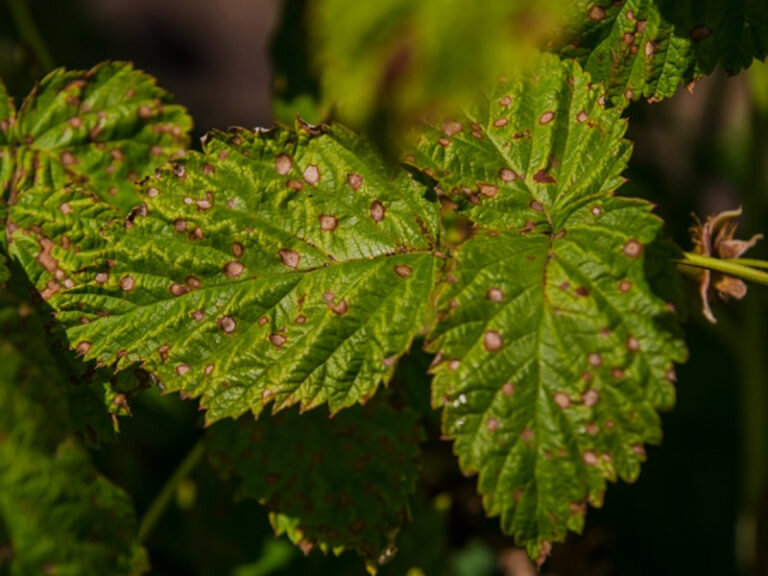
<point x="554" y="349"/>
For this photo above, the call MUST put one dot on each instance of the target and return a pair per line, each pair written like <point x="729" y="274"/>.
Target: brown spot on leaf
<point x="596" y="13"/>
<point x="290" y="258"/>
<point x="595" y="359"/>
<point x="178" y="289"/>
<point x="227" y="324"/>
<point x="283" y="164"/>
<point x="590" y="458"/>
<point x="495" y="295"/>
<point x="312" y="174"/>
<point x="182" y="369"/>
<point x="233" y="269"/>
<point x="633" y="248"/>
<point x="507" y="175"/>
<point x="403" y="270"/>
<point x="590" y="398"/>
<point x="488" y="190"/>
<point x="547" y="117"/>
<point x="277" y="340"/>
<point x="355" y="181"/>
<point x="562" y="400"/>
<point x="339" y="308"/>
<point x="544" y="177"/>
<point x="377" y="211"/>
<point x="328" y="223"/>
<point x="451" y="128"/>
<point x="127" y="283"/>
<point x="492" y="341"/>
<point x="68" y="159"/>
<point x="192" y="282"/>
<point x="492" y="424"/>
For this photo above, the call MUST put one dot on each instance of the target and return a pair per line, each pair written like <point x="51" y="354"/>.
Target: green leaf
<point x="60" y="515"/>
<point x="399" y="57"/>
<point x="7" y="115"/>
<point x="105" y="128"/>
<point x="648" y="48"/>
<point x="554" y="353"/>
<point x="339" y="483"/>
<point x="283" y="267"/>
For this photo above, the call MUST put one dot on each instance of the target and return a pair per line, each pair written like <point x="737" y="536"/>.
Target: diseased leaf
<point x="530" y="153"/>
<point x="553" y="351"/>
<point x="648" y="48"/>
<point x="398" y="58"/>
<point x="105" y="129"/>
<point x="283" y="267"/>
<point x="60" y="515"/>
<point x="337" y="484"/>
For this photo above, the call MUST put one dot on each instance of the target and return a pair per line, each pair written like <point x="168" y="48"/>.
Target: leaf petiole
<point x="161" y="501"/>
<point x="746" y="269"/>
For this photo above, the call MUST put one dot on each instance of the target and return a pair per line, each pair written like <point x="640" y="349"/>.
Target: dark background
<point x="701" y="503"/>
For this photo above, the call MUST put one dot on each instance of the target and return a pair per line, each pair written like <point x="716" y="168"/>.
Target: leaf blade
<point x="284" y="267"/>
<point x="554" y="351"/>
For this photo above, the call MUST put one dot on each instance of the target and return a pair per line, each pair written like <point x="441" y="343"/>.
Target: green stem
<point x="751" y="262"/>
<point x="29" y="32"/>
<point x="735" y="267"/>
<point x="161" y="501"/>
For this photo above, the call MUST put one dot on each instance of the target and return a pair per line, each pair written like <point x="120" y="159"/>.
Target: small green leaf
<point x="283" y="267"/>
<point x="554" y="352"/>
<point x="648" y="48"/>
<point x="105" y="129"/>
<point x="337" y="484"/>
<point x="61" y="516"/>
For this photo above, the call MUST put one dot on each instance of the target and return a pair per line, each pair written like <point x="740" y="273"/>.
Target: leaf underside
<point x="283" y="267"/>
<point x="553" y="351"/>
<point x="648" y="48"/>
<point x="60" y="515"/>
<point x="337" y="484"/>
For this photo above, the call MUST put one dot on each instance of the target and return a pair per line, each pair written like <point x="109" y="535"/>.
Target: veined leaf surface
<point x="554" y="352"/>
<point x="648" y="48"/>
<point x="284" y="266"/>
